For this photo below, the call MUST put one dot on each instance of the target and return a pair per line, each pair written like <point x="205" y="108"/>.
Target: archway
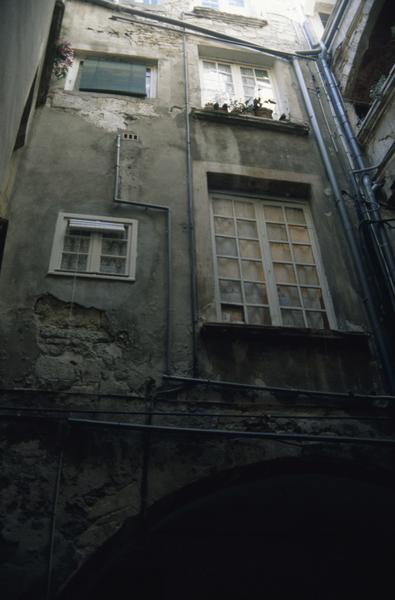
<point x="286" y="530"/>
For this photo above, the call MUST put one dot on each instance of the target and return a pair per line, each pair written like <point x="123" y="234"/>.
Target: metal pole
<point x="268" y="435"/>
<point x="191" y="218"/>
<point x="169" y="270"/>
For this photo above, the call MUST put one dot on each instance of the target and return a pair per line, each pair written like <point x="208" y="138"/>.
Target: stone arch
<point x="312" y="529"/>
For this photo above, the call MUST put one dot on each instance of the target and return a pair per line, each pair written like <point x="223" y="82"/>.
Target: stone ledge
<point x="210" y="13"/>
<point x="250" y="121"/>
<point x="288" y="335"/>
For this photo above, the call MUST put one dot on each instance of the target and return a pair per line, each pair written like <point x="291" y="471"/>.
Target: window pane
<point x="232" y="314"/>
<point x="245" y="71"/>
<point x="255" y="293"/>
<point x="258" y="315"/>
<point x="230" y="291"/>
<point x="114" y="247"/>
<point x="288" y="295"/>
<point x="303" y="254"/>
<point x="247" y="229"/>
<point x="210" y="3"/>
<point x="77" y="242"/>
<point x="74" y="262"/>
<point x="312" y="298"/>
<point x="284" y="273"/>
<point x="252" y="270"/>
<point x="274" y="213"/>
<point x="299" y="234"/>
<point x="280" y="251"/>
<point x="225" y="226"/>
<point x="223" y="207"/>
<point x="113" y="265"/>
<point x="113" y="76"/>
<point x="245" y="209"/>
<point x="317" y="320"/>
<point x="277" y="232"/>
<point x="226" y="246"/>
<point x="249" y="249"/>
<point x="218" y="83"/>
<point x="262" y="75"/>
<point x="295" y="215"/>
<point x="292" y="318"/>
<point x="228" y="267"/>
<point x="307" y="275"/>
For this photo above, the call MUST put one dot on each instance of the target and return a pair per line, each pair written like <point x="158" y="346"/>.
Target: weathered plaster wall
<point x="23" y="36"/>
<point x="109" y="479"/>
<point x="90" y="345"/>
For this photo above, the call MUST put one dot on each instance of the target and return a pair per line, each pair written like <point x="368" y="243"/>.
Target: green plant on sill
<point x="64" y="55"/>
<point x="253" y="106"/>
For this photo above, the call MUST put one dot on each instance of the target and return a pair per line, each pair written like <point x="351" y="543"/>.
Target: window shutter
<point x="113" y="76"/>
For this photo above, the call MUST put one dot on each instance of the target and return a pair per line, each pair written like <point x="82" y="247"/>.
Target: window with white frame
<point x="222" y="4"/>
<point x="112" y="76"/>
<point x="91" y="246"/>
<point x="267" y="264"/>
<point x="136" y="1"/>
<point x="225" y="82"/>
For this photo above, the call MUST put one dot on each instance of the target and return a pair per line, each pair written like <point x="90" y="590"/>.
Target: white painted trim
<point x="131" y="226"/>
<point x="271" y="284"/>
<point x="73" y="72"/>
<point x="238" y="82"/>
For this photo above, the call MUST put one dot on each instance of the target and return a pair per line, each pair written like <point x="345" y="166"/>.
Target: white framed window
<point x="224" y="83"/>
<point x="136" y="1"/>
<point x="267" y="265"/>
<point x="92" y="246"/>
<point x="223" y="4"/>
<point x="108" y="75"/>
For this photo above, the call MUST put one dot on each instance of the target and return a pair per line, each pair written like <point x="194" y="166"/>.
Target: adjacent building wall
<point x="23" y="38"/>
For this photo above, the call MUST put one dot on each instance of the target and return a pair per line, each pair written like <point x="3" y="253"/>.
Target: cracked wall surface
<point x="78" y="348"/>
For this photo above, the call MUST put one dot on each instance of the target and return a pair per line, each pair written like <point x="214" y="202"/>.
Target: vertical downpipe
<point x="191" y="219"/>
<point x="169" y="269"/>
<point x="367" y="296"/>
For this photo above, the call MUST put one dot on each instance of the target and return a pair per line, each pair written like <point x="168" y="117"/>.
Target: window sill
<point x="217" y="116"/>
<point x="288" y="335"/>
<point x="96" y="276"/>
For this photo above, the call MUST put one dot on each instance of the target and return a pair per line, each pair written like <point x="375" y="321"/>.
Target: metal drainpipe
<point x="169" y="277"/>
<point x="370" y="210"/>
<point x="328" y="36"/>
<point x="191" y="218"/>
<point x="342" y="210"/>
<point x="232" y="433"/>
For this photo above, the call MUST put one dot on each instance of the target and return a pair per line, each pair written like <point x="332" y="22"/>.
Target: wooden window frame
<point x="267" y="263"/>
<point x="94" y="252"/>
<point x="237" y="80"/>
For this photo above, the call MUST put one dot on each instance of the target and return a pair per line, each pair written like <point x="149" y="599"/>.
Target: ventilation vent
<point x="129" y="136"/>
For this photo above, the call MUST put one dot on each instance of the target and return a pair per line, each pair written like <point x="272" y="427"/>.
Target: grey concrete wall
<point x="23" y="36"/>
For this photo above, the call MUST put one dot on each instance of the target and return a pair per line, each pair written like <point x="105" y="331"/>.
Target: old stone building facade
<point x="197" y="376"/>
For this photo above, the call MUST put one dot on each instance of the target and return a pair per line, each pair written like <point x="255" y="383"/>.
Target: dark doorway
<point x="303" y="536"/>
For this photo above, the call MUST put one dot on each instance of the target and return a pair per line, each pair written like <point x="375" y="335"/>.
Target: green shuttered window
<point x="113" y="77"/>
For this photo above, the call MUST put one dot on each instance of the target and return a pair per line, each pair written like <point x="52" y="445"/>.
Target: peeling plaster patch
<point x="103" y="111"/>
<point x="81" y="349"/>
<point x="105" y="120"/>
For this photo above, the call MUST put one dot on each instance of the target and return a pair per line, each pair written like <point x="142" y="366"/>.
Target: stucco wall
<point x="75" y="344"/>
<point x="23" y="36"/>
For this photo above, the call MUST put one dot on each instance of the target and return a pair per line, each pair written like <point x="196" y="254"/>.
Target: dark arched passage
<point x="284" y="530"/>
